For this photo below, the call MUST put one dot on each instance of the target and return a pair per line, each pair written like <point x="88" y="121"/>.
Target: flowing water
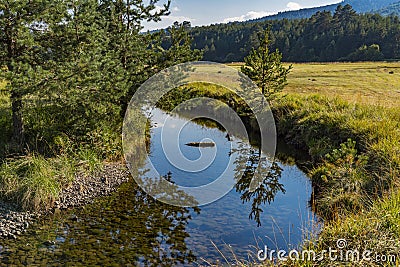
<point x="131" y="228"/>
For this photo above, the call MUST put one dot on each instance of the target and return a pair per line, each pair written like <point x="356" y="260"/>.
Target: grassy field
<point x="375" y="83"/>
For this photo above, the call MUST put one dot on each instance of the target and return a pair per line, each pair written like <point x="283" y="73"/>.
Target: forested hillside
<point x="341" y="36"/>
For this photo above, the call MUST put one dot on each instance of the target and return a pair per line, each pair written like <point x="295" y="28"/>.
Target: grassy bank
<point x="356" y="153"/>
<point x="33" y="180"/>
<point x="356" y="182"/>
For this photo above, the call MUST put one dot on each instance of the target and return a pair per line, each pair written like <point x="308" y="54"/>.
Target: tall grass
<point x="347" y="173"/>
<point x="34" y="182"/>
<point x="376" y="230"/>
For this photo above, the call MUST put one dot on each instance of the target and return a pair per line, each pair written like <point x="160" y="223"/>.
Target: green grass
<point x="368" y="83"/>
<point x="34" y="182"/>
<point x="377" y="229"/>
<point x="320" y="125"/>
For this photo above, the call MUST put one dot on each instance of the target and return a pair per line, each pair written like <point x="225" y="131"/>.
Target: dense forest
<point x="343" y="35"/>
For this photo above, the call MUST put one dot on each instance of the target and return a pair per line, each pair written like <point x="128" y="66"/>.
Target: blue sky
<point x="205" y="12"/>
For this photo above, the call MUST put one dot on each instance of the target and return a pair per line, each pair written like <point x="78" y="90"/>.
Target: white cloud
<point x="293" y="6"/>
<point x="157" y="8"/>
<point x="248" y="16"/>
<point x="172" y="18"/>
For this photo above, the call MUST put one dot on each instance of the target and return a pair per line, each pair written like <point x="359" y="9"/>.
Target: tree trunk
<point x="18" y="125"/>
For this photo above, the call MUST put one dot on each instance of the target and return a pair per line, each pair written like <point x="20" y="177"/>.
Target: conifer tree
<point x="21" y="25"/>
<point x="265" y="68"/>
<point x="72" y="66"/>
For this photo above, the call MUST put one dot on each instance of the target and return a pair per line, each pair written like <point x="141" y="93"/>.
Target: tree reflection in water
<point x="128" y="228"/>
<point x="256" y="166"/>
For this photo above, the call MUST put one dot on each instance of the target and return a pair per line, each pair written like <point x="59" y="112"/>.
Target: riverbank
<point x="82" y="191"/>
<point x="355" y="150"/>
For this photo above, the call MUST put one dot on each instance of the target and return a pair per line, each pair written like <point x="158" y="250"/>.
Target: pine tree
<point x="21" y="25"/>
<point x="265" y="68"/>
<point x="72" y="66"/>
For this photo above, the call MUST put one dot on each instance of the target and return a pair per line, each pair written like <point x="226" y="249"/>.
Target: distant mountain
<point x="391" y="9"/>
<point x="384" y="7"/>
<point x="368" y="6"/>
<point x="298" y="14"/>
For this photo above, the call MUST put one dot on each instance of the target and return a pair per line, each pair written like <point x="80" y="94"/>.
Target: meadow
<point x="373" y="83"/>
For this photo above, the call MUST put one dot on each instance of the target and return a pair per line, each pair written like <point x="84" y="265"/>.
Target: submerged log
<point x="200" y="144"/>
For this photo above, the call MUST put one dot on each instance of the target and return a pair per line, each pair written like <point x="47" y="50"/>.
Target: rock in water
<point x="200" y="144"/>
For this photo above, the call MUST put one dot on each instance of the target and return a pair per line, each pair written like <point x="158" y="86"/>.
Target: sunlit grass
<point x="376" y="83"/>
<point x="31" y="182"/>
<point x="34" y="182"/>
